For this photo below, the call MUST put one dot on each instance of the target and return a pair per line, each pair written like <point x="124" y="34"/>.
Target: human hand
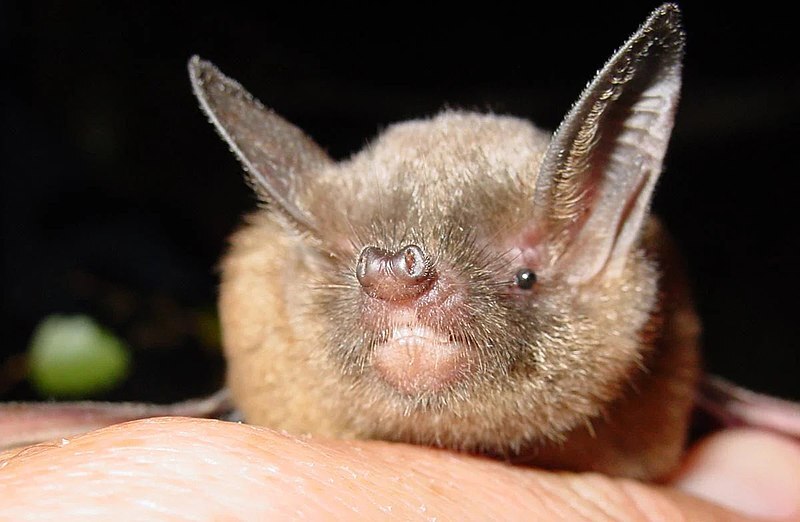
<point x="191" y="469"/>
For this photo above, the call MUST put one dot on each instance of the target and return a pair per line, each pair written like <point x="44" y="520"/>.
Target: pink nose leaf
<point x="394" y="276"/>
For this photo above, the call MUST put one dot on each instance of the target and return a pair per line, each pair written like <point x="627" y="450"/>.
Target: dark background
<point x="118" y="196"/>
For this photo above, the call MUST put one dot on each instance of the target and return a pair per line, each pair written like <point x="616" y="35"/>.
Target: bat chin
<point x="418" y="360"/>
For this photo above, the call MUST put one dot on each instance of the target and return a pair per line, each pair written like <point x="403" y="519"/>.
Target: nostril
<point x="371" y="264"/>
<point x="410" y="262"/>
<point x="394" y="276"/>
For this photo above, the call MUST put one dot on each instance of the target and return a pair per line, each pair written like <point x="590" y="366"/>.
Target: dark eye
<point x="525" y="278"/>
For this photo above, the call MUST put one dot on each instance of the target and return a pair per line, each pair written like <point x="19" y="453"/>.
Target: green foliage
<point x="74" y="357"/>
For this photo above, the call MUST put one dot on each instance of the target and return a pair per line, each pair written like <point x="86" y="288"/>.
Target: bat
<point x="470" y="281"/>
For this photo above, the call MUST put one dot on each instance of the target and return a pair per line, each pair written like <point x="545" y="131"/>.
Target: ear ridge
<point x="600" y="168"/>
<point x="275" y="154"/>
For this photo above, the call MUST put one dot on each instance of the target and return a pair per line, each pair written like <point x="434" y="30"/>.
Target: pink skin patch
<point x="418" y="360"/>
<point x="527" y="249"/>
<point x="419" y="354"/>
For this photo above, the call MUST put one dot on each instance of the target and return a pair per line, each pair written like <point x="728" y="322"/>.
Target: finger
<point x="199" y="469"/>
<point x="733" y="405"/>
<point x="753" y="472"/>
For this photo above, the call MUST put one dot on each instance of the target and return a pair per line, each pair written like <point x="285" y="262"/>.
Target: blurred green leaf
<point x="74" y="357"/>
<point x="208" y="329"/>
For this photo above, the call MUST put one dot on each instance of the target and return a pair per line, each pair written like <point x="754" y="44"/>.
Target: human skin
<point x="192" y="469"/>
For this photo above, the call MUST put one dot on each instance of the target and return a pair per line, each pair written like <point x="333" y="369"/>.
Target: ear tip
<point x="200" y="69"/>
<point x="669" y="11"/>
<point x="667" y="16"/>
<point x="194" y="64"/>
<point x="664" y="27"/>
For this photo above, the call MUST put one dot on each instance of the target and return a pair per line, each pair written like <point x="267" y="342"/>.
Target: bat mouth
<point x="417" y="359"/>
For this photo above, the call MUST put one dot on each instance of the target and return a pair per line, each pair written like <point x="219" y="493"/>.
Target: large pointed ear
<point x="275" y="153"/>
<point x="597" y="176"/>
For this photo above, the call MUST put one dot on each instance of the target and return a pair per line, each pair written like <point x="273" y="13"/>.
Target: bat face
<point x="420" y="292"/>
<point x="468" y="280"/>
<point x="418" y="283"/>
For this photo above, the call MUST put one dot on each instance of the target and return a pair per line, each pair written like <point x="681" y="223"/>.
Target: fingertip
<point x="752" y="472"/>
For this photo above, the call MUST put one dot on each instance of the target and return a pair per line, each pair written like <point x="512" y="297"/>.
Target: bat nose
<point x="395" y="276"/>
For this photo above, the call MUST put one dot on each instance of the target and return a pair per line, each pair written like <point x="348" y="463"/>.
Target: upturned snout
<point x="403" y="275"/>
